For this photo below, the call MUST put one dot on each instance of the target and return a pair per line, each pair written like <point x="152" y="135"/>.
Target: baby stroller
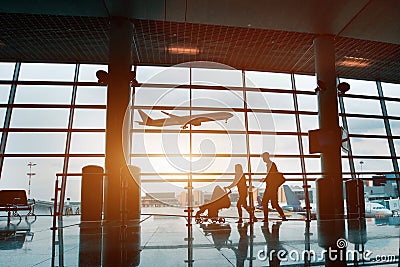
<point x="219" y="200"/>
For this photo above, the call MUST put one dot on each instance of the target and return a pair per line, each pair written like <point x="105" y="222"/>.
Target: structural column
<point x="118" y="97"/>
<point x="330" y="186"/>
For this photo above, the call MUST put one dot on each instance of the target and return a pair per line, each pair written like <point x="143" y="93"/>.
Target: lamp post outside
<point x="30" y="174"/>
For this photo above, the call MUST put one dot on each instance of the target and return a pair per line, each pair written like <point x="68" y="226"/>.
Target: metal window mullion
<point x="301" y="149"/>
<point x="7" y="119"/>
<point x="298" y="126"/>
<point x="68" y="141"/>
<point x="389" y="134"/>
<point x="246" y="124"/>
<point x="132" y="115"/>
<point x="346" y="127"/>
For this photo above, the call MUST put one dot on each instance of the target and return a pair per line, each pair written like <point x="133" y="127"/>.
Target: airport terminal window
<point x="89" y="119"/>
<point x="305" y="82"/>
<point x="2" y="116"/>
<point x="307" y="102"/>
<point x="46" y="72"/>
<point x="391" y="90"/>
<point x="39" y="118"/>
<point x="360" y="87"/>
<point x="269" y="100"/>
<point x="36" y="143"/>
<point x="4" y="93"/>
<point x="217" y="77"/>
<point x="308" y="122"/>
<point x="39" y="133"/>
<point x="43" y="94"/>
<point x="268" y="80"/>
<point x="393" y="108"/>
<point x="87" y="72"/>
<point x="366" y="126"/>
<point x="14" y="175"/>
<point x="91" y="95"/>
<point x="362" y="106"/>
<point x="395" y="127"/>
<point x="6" y="70"/>
<point x="88" y="143"/>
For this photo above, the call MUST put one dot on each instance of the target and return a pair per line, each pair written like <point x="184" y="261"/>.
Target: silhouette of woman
<point x="240" y="183"/>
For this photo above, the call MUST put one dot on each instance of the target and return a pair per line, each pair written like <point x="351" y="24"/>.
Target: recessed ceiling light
<point x="182" y="50"/>
<point x="354" y="62"/>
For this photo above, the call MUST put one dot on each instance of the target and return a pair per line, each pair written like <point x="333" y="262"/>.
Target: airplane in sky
<point x="184" y="121"/>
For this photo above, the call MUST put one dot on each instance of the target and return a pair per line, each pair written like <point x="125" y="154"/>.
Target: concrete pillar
<point x="330" y="186"/>
<point x="118" y="96"/>
<point x="92" y="193"/>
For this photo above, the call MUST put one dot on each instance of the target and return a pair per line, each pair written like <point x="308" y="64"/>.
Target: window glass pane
<point x="308" y="122"/>
<point x="36" y="143"/>
<point x="313" y="165"/>
<point x="360" y="87"/>
<point x="345" y="165"/>
<point x="39" y="118"/>
<point x="219" y="144"/>
<point x="373" y="165"/>
<point x="272" y="122"/>
<point x="43" y="94"/>
<point x="88" y="143"/>
<point x="266" y="100"/>
<point x="219" y="77"/>
<point x="369" y="146"/>
<point x="91" y="95"/>
<point x="2" y="116"/>
<point x="163" y="75"/>
<point x="391" y="90"/>
<point x="397" y="146"/>
<point x="46" y="72"/>
<point x="395" y="127"/>
<point x="89" y="118"/>
<point x="362" y="106"/>
<point x="286" y="145"/>
<point x="148" y="96"/>
<point x="305" y="82"/>
<point x="6" y="70"/>
<point x="268" y="80"/>
<point x="393" y="108"/>
<point x="161" y="164"/>
<point x="366" y="126"/>
<point x="14" y="175"/>
<point x="160" y="143"/>
<point x="4" y="93"/>
<point x="217" y="98"/>
<point x="307" y="102"/>
<point x="285" y="165"/>
<point x="76" y="164"/>
<point x="87" y="72"/>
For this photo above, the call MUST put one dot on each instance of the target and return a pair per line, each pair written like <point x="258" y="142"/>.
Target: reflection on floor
<point x="161" y="240"/>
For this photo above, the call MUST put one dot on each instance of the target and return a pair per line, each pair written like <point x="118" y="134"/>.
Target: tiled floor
<point x="163" y="241"/>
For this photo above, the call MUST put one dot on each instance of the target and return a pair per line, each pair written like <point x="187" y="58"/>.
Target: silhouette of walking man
<point x="273" y="180"/>
<point x="240" y="183"/>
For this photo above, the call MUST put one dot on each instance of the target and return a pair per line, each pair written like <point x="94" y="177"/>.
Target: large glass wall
<point x="54" y="116"/>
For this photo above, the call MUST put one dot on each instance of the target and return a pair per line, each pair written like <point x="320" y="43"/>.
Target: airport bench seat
<point x="12" y="201"/>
